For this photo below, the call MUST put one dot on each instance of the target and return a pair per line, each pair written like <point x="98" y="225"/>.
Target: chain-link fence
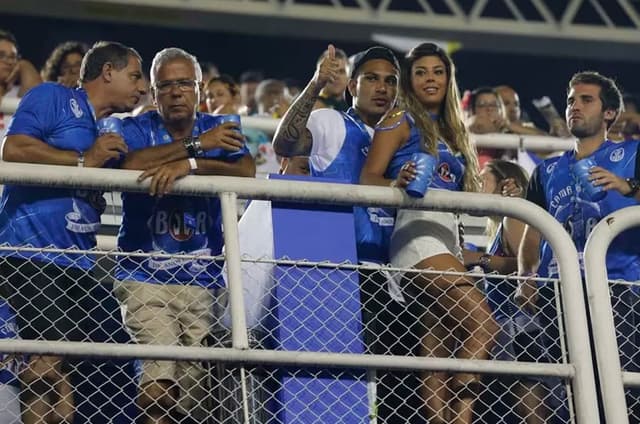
<point x="328" y="342"/>
<point x="290" y="306"/>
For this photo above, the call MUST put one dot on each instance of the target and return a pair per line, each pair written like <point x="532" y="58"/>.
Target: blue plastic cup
<point x="425" y="167"/>
<point x="109" y="125"/>
<point x="219" y="120"/>
<point x="581" y="170"/>
<point x="223" y="119"/>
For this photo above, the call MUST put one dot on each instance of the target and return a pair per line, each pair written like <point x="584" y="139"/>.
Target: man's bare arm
<point x="24" y="148"/>
<point x="292" y="138"/>
<point x="529" y="251"/>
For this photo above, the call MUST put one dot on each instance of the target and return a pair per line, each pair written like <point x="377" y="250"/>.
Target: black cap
<point x="375" y="52"/>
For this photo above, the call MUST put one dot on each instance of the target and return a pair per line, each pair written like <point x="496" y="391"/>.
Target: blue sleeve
<point x="37" y="113"/>
<point x="134" y="134"/>
<point x="535" y="191"/>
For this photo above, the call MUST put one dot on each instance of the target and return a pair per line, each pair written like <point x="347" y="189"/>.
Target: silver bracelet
<point x="80" y="160"/>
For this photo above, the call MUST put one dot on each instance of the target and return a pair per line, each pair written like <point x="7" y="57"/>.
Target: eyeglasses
<point x="9" y="57"/>
<point x="185" y="85"/>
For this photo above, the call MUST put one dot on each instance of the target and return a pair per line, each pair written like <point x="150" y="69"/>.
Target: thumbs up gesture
<point x="328" y="68"/>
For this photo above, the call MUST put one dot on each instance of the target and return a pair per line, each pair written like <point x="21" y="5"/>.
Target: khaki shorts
<point x="170" y="314"/>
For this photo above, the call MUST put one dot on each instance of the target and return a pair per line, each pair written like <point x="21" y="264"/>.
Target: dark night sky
<point x="532" y="76"/>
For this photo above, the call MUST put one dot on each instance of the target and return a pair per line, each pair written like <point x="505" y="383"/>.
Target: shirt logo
<point x="445" y="173"/>
<point x="551" y="167"/>
<point x="75" y="108"/>
<point x="617" y="155"/>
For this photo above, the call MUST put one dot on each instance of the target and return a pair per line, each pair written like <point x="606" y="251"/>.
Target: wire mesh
<point x="292" y="306"/>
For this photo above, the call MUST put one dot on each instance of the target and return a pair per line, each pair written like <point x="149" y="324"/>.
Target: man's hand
<point x="225" y="136"/>
<point x="328" y="70"/>
<point x="608" y="180"/>
<point x="163" y="177"/>
<point x="106" y="147"/>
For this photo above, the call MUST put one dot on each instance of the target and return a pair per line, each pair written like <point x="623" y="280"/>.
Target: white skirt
<point x="419" y="235"/>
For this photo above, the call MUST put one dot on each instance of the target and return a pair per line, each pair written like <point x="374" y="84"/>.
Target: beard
<point x="586" y="128"/>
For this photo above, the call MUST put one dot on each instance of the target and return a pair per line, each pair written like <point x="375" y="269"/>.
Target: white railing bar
<point x="344" y="194"/>
<point x="603" y="327"/>
<point x="631" y="379"/>
<point x="228" y="202"/>
<point x="283" y="358"/>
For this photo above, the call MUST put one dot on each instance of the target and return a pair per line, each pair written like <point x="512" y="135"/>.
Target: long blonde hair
<point x="449" y="126"/>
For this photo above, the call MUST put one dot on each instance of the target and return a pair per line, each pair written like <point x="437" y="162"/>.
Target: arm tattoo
<point x="292" y="135"/>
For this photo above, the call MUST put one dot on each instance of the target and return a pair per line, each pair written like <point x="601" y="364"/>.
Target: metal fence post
<point x="604" y="331"/>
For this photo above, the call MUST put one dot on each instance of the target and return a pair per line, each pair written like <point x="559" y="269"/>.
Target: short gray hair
<point x="172" y="53"/>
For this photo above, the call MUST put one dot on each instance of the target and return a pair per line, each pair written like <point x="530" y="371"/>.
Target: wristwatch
<point x="485" y="261"/>
<point x="634" y="184"/>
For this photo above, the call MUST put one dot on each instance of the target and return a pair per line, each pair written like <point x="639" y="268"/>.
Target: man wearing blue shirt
<point x="593" y="105"/>
<point x="57" y="125"/>
<point x="169" y="299"/>
<point x="337" y="144"/>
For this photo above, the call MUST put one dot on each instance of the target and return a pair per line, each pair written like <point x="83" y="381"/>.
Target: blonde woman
<point x="458" y="321"/>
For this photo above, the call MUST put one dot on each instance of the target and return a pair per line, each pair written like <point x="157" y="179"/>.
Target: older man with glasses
<point x="169" y="298"/>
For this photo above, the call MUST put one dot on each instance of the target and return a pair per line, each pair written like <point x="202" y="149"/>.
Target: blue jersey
<point x="51" y="217"/>
<point x="9" y="365"/>
<point x="554" y="188"/>
<point x="341" y="142"/>
<point x="170" y="224"/>
<point x="500" y="292"/>
<point x="449" y="173"/>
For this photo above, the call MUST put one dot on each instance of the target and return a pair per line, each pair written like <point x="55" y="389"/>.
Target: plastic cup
<point x="223" y="119"/>
<point x="581" y="170"/>
<point x="109" y="125"/>
<point x="425" y="167"/>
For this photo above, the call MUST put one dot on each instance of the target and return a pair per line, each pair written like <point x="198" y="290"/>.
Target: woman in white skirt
<point x="458" y="321"/>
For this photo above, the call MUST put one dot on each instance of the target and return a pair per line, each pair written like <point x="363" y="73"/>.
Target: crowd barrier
<point x="256" y="368"/>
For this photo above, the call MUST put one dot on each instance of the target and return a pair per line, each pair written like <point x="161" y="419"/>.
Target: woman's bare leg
<point x="467" y="307"/>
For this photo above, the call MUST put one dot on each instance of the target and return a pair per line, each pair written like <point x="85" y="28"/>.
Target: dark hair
<point x="473" y="97"/>
<point x="105" y="52"/>
<point x="610" y="95"/>
<point x="340" y="54"/>
<point x="251" y="75"/>
<point x="7" y="36"/>
<point x="448" y="126"/>
<point x="503" y="169"/>
<point x="51" y="70"/>
<point x="376" y="52"/>
<point x="227" y="81"/>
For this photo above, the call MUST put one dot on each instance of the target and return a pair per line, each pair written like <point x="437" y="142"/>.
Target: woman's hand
<point x="510" y="188"/>
<point x="406" y="175"/>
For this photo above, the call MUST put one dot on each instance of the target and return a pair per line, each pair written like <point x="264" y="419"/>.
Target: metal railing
<point x="579" y="370"/>
<point x="611" y="375"/>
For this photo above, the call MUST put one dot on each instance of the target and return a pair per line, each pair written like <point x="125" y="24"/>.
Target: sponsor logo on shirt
<point x="551" y="167"/>
<point x="445" y="173"/>
<point x="617" y="155"/>
<point x="75" y="108"/>
<point x="75" y="224"/>
<point x="177" y="231"/>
